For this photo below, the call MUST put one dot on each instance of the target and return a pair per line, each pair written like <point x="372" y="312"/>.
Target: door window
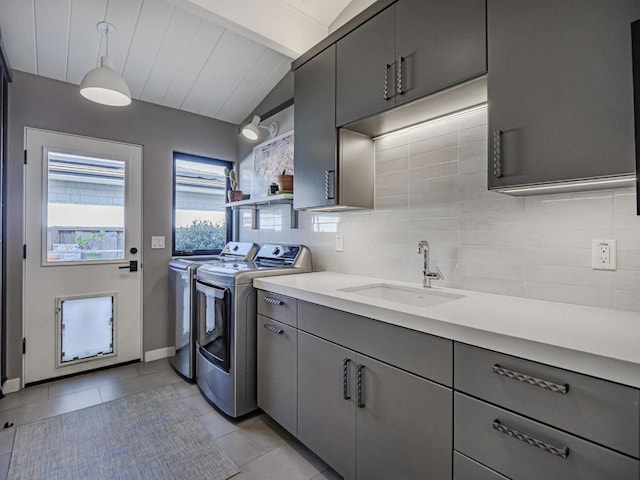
<point x="85" y="208"/>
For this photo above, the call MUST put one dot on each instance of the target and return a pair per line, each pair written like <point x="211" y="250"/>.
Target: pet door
<point x="86" y="328"/>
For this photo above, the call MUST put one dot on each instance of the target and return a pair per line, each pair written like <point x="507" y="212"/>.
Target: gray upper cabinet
<point x="316" y="136"/>
<point x="411" y="49"/>
<point x="439" y="43"/>
<point x="560" y="90"/>
<point x="365" y="81"/>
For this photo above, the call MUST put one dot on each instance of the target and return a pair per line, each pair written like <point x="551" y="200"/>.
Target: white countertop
<point x="601" y="342"/>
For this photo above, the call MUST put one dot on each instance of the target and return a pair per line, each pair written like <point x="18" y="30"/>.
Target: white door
<point x="83" y="230"/>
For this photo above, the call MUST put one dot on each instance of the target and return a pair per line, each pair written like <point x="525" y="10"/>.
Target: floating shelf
<point x="271" y="199"/>
<point x="255" y="203"/>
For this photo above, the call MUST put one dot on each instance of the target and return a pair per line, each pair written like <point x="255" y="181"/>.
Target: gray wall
<point x="280" y="94"/>
<point x="48" y="104"/>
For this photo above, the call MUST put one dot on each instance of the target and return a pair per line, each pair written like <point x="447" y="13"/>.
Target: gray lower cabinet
<point x="326" y="417"/>
<point x="403" y="424"/>
<point x="523" y="449"/>
<point x="369" y="420"/>
<point x="466" y="469"/>
<point x="560" y="90"/>
<point x="277" y="372"/>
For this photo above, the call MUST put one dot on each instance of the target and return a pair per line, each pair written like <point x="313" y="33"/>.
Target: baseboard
<point x="11" y="386"/>
<point x="152" y="355"/>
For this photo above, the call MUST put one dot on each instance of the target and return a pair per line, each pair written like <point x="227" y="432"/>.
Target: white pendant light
<point x="103" y="84"/>
<point x="251" y="130"/>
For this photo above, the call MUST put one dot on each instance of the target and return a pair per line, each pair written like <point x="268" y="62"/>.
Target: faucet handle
<point x="440" y="275"/>
<point x="437" y="274"/>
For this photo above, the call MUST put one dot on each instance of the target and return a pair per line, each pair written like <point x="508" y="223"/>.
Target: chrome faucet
<point x="423" y="247"/>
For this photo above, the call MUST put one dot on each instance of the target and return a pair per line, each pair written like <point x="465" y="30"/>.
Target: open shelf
<point x="271" y="199"/>
<point x="255" y="203"/>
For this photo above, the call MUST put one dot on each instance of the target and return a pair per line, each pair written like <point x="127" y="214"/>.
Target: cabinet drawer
<point x="604" y="412"/>
<point x="425" y="355"/>
<point x="279" y="307"/>
<point x="277" y="372"/>
<point x="466" y="469"/>
<point x="523" y="449"/>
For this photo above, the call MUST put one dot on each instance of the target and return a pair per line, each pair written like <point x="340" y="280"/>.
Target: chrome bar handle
<point x="385" y="87"/>
<point x="346" y="394"/>
<point x="360" y="393"/>
<point x="524" y="378"/>
<point x="399" y="75"/>
<point x="329" y="187"/>
<point x="273" y="301"/>
<point x="497" y="153"/>
<point x="272" y="329"/>
<point x="562" y="452"/>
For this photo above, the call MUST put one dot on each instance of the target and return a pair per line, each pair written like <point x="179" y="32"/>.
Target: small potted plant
<point x="234" y="194"/>
<point x="285" y="182"/>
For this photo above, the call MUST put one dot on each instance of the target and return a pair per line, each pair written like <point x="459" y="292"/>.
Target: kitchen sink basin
<point x="418" y="297"/>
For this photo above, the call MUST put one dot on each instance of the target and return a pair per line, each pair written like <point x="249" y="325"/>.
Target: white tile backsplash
<point x="431" y="184"/>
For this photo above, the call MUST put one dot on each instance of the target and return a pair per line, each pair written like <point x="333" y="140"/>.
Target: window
<point x="85" y="208"/>
<point x="201" y="223"/>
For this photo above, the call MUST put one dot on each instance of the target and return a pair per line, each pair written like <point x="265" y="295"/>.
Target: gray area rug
<point x="150" y="435"/>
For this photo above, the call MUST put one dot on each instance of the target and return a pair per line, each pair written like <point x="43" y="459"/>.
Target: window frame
<point x="228" y="217"/>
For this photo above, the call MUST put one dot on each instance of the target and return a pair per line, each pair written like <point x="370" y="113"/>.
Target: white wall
<point x="431" y="184"/>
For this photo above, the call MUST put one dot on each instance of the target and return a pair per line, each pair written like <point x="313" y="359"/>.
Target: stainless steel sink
<point x="418" y="297"/>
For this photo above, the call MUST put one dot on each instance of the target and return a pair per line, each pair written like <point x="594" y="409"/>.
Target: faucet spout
<point x="423" y="248"/>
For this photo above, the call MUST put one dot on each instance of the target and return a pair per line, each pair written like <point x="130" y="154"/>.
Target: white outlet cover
<point x="603" y="254"/>
<point x="339" y="243"/>
<point x="157" y="242"/>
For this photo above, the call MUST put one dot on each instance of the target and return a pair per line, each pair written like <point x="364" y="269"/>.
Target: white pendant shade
<point x="103" y="85"/>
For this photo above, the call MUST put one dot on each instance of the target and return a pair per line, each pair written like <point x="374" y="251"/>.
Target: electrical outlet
<point x="339" y="243"/>
<point x="603" y="254"/>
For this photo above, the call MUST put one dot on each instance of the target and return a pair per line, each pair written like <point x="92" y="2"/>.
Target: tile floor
<point x="258" y="446"/>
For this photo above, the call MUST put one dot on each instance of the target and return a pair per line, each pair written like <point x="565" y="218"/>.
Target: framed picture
<point x="270" y="159"/>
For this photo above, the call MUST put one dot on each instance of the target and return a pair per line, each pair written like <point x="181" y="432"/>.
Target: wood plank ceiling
<point x="168" y="54"/>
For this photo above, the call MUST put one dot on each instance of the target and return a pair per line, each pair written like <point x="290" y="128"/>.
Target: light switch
<point x="339" y="243"/>
<point x="157" y="242"/>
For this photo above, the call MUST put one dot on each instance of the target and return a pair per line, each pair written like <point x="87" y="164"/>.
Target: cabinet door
<point x="277" y="372"/>
<point x="560" y="89"/>
<point x="404" y="425"/>
<point x="365" y="58"/>
<point x="315" y="126"/>
<point x="326" y="420"/>
<point x="439" y="43"/>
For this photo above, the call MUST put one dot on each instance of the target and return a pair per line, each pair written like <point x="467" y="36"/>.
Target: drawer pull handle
<point x="273" y="301"/>
<point x="345" y="379"/>
<point x="538" y="382"/>
<point x="562" y="452"/>
<point x="272" y="329"/>
<point x="360" y="381"/>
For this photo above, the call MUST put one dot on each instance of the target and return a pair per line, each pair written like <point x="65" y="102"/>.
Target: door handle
<point x="133" y="266"/>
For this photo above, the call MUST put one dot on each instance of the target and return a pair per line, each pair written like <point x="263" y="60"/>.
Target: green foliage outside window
<point x="201" y="235"/>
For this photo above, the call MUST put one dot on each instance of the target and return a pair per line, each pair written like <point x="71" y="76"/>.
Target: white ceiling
<point x="217" y="58"/>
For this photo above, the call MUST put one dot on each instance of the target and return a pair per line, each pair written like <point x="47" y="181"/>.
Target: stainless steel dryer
<point x="182" y="275"/>
<point x="226" y="342"/>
